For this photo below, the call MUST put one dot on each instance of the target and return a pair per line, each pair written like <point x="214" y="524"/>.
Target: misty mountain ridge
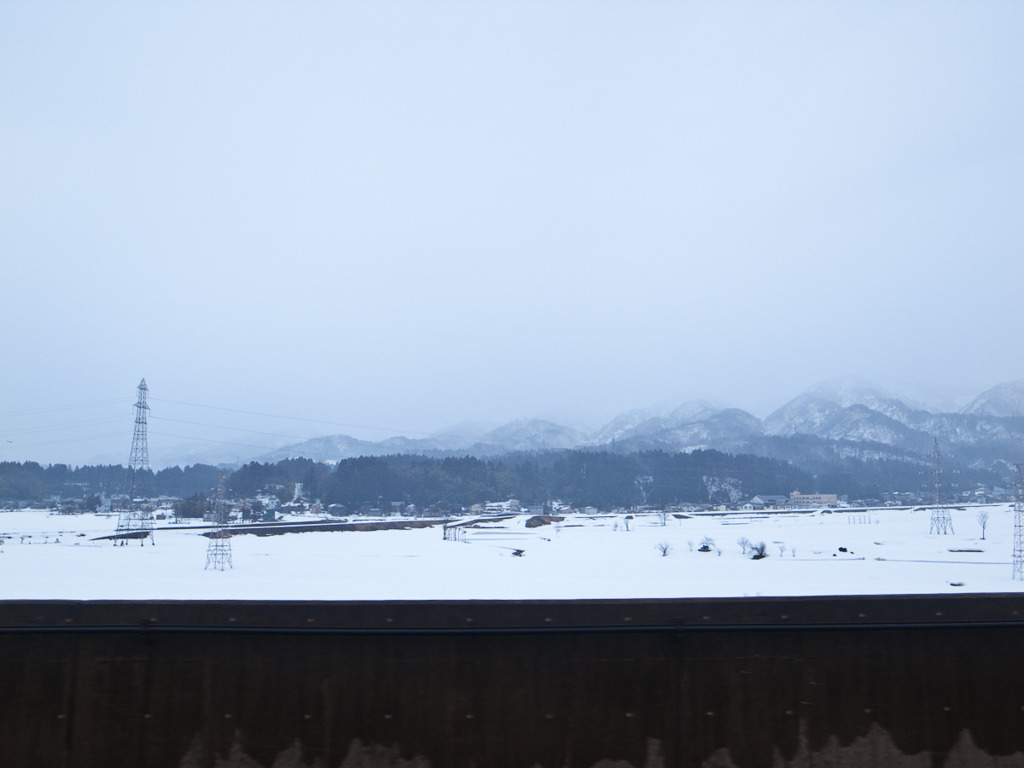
<point x="1003" y="400"/>
<point x="853" y="390"/>
<point x="829" y="422"/>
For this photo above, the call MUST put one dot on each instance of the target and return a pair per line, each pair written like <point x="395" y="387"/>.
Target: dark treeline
<point x="577" y="477"/>
<point x="255" y="477"/>
<point x="603" y="479"/>
<point x="32" y="481"/>
<point x="581" y="478"/>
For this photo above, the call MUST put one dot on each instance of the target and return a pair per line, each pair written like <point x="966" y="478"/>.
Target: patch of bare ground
<point x="538" y="520"/>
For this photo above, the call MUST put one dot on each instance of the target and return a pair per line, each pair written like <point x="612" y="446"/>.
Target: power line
<point x="114" y="419"/>
<point x="52" y="409"/>
<point x="211" y="440"/>
<point x="64" y="425"/>
<point x="293" y="418"/>
<point x="194" y="438"/>
<point x="250" y="446"/>
<point x="233" y="429"/>
<point x="80" y="438"/>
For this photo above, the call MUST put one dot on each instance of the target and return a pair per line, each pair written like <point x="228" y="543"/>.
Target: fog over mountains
<point x="830" y="422"/>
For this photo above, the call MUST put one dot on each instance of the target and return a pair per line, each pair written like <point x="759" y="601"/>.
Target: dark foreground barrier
<point x="880" y="681"/>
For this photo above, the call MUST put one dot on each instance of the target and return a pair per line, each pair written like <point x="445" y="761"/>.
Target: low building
<point x="768" y="501"/>
<point x="809" y="500"/>
<point x="503" y="507"/>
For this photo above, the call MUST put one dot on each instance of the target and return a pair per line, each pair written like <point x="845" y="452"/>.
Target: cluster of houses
<point x="268" y="507"/>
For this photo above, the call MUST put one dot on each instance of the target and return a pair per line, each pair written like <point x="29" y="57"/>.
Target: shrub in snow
<point x="760" y="551"/>
<point x="664" y="547"/>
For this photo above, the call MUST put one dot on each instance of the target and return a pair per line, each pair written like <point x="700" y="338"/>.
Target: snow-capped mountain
<point x="532" y="435"/>
<point x="871" y="417"/>
<point x="824" y="410"/>
<point x="863" y="424"/>
<point x="726" y="429"/>
<point x="829" y="422"/>
<point x="640" y="423"/>
<point x="853" y="390"/>
<point x="811" y="414"/>
<point x="806" y="414"/>
<point x="520" y="435"/>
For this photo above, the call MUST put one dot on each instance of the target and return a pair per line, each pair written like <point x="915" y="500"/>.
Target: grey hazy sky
<point x="395" y="216"/>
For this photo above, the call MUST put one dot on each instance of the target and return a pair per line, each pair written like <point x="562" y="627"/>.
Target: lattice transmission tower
<point x="1018" y="527"/>
<point x="134" y="521"/>
<point x="941" y="521"/>
<point x="218" y="551"/>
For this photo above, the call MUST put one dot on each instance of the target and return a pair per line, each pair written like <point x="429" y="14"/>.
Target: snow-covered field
<point x="889" y="551"/>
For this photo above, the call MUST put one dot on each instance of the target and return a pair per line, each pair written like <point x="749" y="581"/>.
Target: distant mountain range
<point x="826" y="424"/>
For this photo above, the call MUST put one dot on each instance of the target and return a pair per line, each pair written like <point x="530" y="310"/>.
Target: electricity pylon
<point x="941" y="521"/>
<point x="1018" y="527"/>
<point x="133" y="522"/>
<point x="218" y="551"/>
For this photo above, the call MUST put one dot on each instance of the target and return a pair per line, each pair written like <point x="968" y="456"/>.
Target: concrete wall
<point x="753" y="682"/>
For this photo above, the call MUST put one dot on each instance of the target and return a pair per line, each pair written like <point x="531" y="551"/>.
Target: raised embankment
<point x="880" y="681"/>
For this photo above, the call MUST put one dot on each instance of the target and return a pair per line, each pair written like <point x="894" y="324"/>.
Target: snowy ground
<point x="50" y="556"/>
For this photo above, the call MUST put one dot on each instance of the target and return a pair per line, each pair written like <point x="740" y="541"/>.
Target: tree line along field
<point x="601" y="479"/>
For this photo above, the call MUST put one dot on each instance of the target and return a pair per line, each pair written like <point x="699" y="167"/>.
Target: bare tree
<point x="760" y="551"/>
<point x="744" y="542"/>
<point x="983" y="521"/>
<point x="664" y="547"/>
<point x="782" y="548"/>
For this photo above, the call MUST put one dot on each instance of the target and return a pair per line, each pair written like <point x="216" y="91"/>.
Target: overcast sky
<point x="391" y="217"/>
